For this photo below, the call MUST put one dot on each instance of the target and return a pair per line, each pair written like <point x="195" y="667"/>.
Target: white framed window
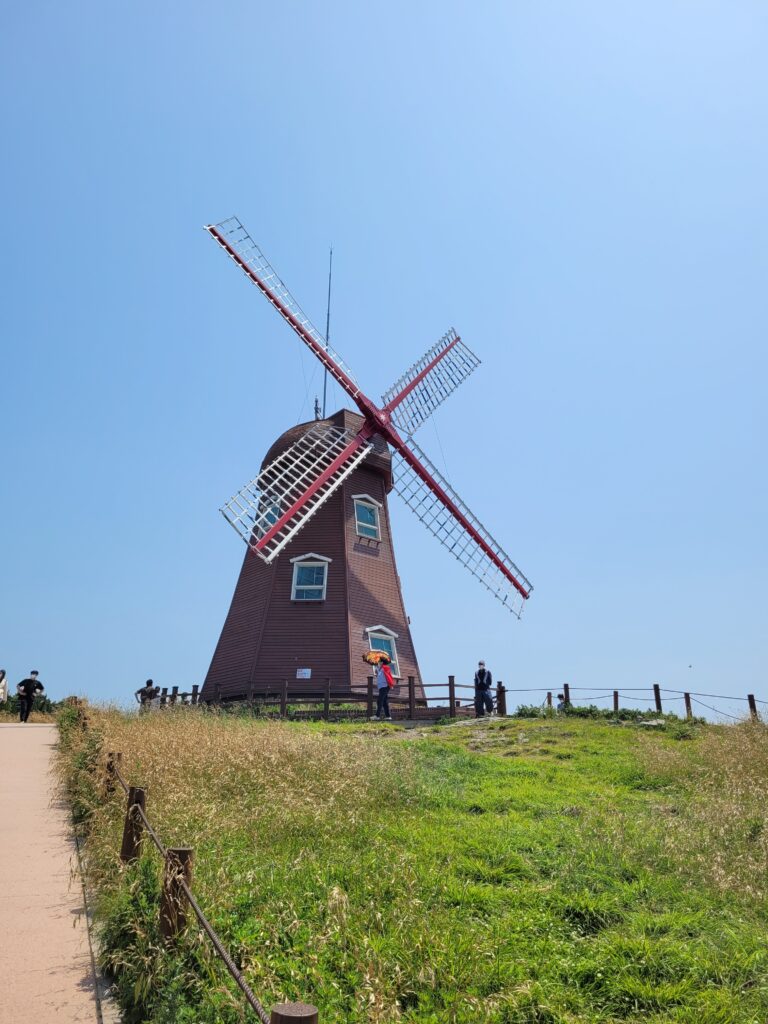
<point x="367" y="511"/>
<point x="310" y="577"/>
<point x="382" y="639"/>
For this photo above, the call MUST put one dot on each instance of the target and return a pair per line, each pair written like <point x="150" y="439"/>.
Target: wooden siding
<point x="267" y="636"/>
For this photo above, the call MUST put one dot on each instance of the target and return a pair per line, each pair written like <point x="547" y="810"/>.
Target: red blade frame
<point x="357" y="442"/>
<point x="401" y="395"/>
<point x="378" y="421"/>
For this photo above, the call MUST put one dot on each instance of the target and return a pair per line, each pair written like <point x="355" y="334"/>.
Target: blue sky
<point x="578" y="188"/>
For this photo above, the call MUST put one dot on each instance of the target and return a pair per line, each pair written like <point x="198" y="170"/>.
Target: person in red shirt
<point x="384" y="681"/>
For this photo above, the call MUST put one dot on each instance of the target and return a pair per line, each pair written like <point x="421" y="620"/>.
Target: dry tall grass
<point x="393" y="882"/>
<point x="716" y="829"/>
<point x="209" y="775"/>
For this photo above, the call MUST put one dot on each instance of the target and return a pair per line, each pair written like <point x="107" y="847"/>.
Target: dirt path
<point x="45" y="959"/>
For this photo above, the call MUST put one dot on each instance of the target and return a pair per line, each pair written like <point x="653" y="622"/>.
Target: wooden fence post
<point x="688" y="711"/>
<point x="132" y="829"/>
<point x="327" y="700"/>
<point x="163" y="696"/>
<point x="294" y="1013"/>
<point x="451" y="696"/>
<point x="370" y="696"/>
<point x="411" y="697"/>
<point x="174" y="694"/>
<point x="195" y="693"/>
<point x="752" y="707"/>
<point x="113" y="763"/>
<point x="284" y="698"/>
<point x="549" y="698"/>
<point x="615" y="702"/>
<point x="566" y="695"/>
<point x="657" y="696"/>
<point x="173" y="910"/>
<point x="501" y="699"/>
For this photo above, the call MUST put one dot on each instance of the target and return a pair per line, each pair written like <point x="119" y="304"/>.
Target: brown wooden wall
<point x="266" y="636"/>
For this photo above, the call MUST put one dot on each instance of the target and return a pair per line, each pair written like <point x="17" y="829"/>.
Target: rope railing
<point x="412" y="701"/>
<point x="178" y="860"/>
<point x="175" y="883"/>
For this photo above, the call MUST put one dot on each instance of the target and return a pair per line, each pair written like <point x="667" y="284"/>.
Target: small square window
<point x="367" y="520"/>
<point x="309" y="581"/>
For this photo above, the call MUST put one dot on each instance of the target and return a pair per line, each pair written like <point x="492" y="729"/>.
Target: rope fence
<point x="177" y="893"/>
<point x="412" y="701"/>
<point x="176" y="884"/>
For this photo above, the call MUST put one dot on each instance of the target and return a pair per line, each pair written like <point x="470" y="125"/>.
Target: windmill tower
<point x="324" y="586"/>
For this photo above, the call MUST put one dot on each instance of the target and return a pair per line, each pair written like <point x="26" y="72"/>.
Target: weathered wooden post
<point x="173" y="911"/>
<point x="133" y="827"/>
<point x="752" y="707"/>
<point x="451" y="696"/>
<point x="294" y="1013"/>
<point x="284" y="698"/>
<point x="657" y="696"/>
<point x="501" y="699"/>
<point x="566" y="695"/>
<point x="195" y="693"/>
<point x="615" y="702"/>
<point x="163" y="696"/>
<point x="174" y="694"/>
<point x="370" y="696"/>
<point x="688" y="710"/>
<point x="327" y="700"/>
<point x="549" y="698"/>
<point x="113" y="763"/>
<point x="411" y="697"/>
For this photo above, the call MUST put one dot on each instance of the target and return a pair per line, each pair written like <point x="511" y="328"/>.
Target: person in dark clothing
<point x="146" y="694"/>
<point x="27" y="690"/>
<point x="483" y="697"/>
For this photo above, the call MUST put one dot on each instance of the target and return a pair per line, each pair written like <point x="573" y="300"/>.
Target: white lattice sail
<point x="270" y="510"/>
<point x="453" y="362"/>
<point x="250" y="255"/>
<point x="453" y="535"/>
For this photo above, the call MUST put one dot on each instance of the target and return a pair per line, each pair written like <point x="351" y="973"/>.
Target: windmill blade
<point x="270" y="510"/>
<point x="441" y="510"/>
<point x="238" y="244"/>
<point x="428" y="383"/>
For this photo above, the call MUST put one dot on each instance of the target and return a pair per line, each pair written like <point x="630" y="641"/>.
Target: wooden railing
<point x="177" y="896"/>
<point x="413" y="701"/>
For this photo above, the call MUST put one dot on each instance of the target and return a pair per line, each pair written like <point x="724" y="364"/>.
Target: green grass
<point x="514" y="872"/>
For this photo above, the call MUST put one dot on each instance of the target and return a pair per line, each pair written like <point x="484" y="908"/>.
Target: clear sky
<point x="579" y="189"/>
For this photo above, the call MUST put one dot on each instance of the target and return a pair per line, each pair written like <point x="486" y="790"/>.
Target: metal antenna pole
<point x="327" y="325"/>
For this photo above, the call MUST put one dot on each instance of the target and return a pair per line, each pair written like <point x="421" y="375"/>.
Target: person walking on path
<point x="146" y="694"/>
<point x="384" y="680"/>
<point x="27" y="690"/>
<point x="483" y="698"/>
<point x="3" y="686"/>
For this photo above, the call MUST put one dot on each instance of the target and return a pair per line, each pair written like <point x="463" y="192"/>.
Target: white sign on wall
<point x="303" y="673"/>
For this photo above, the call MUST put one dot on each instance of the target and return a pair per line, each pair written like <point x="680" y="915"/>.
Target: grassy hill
<point x="514" y="871"/>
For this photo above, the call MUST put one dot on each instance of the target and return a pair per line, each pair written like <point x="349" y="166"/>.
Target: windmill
<point x="304" y="491"/>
